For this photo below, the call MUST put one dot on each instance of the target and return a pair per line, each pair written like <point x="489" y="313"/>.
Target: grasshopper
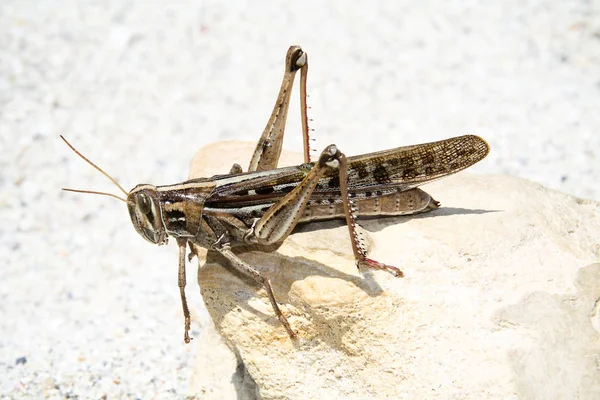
<point x="263" y="205"/>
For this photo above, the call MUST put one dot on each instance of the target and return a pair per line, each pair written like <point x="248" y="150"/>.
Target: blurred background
<point x="88" y="308"/>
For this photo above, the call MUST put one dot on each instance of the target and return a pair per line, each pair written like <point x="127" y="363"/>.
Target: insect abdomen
<point x="372" y="204"/>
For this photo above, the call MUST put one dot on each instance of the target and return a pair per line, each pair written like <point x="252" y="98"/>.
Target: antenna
<point x="99" y="170"/>
<point x="93" y="192"/>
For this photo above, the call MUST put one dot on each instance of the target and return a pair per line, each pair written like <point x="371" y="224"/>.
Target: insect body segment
<point x="264" y="205"/>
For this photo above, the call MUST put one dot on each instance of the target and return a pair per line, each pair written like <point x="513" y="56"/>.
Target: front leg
<point x="182" y="243"/>
<point x="279" y="221"/>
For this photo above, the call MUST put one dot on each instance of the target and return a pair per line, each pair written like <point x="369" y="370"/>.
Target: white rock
<point x="499" y="300"/>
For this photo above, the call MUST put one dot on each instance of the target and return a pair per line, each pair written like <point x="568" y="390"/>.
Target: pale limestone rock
<point x="500" y="298"/>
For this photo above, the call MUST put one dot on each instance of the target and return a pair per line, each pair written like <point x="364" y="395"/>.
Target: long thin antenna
<point x="98" y="169"/>
<point x="94" y="192"/>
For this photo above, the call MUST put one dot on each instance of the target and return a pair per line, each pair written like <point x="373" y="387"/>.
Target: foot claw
<point x="291" y="333"/>
<point x="369" y="263"/>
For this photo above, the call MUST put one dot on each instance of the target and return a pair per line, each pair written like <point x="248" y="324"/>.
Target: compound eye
<point x="144" y="204"/>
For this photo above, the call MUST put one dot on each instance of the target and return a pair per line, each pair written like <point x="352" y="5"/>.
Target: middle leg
<point x="248" y="270"/>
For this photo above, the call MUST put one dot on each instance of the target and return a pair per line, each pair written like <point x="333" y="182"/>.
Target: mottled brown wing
<point x="411" y="166"/>
<point x="401" y="169"/>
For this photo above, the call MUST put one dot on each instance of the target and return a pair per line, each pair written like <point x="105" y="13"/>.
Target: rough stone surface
<point x="500" y="298"/>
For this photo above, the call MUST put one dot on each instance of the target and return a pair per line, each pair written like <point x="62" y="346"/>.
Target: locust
<point x="263" y="205"/>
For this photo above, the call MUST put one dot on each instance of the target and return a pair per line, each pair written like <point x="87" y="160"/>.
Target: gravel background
<point x="88" y="308"/>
